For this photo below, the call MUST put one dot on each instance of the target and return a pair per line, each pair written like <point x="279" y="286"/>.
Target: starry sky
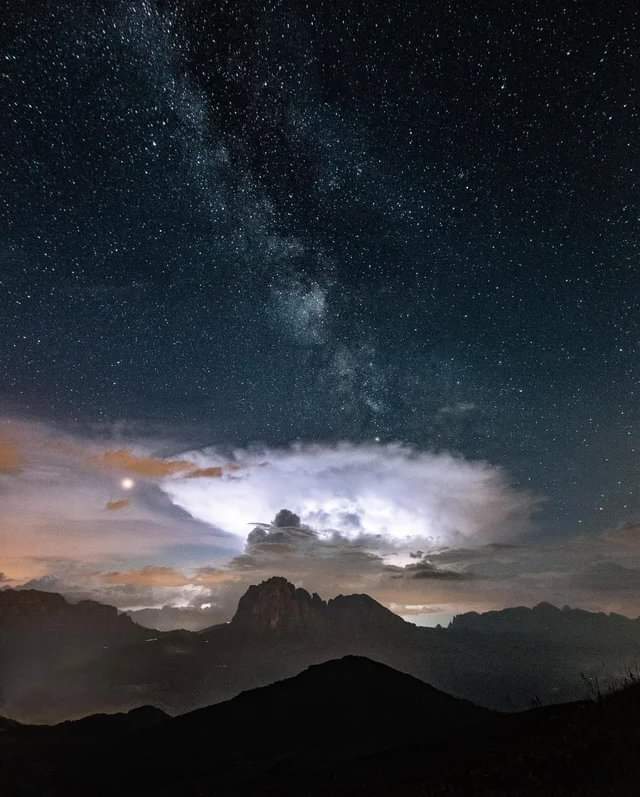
<point x="377" y="224"/>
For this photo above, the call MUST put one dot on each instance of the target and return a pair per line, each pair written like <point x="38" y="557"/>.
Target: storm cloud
<point x="392" y="491"/>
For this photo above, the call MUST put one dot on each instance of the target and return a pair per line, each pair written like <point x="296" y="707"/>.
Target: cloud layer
<point x="428" y="533"/>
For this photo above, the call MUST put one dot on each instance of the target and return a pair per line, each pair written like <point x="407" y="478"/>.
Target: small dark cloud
<point x="427" y="570"/>
<point x="286" y="518"/>
<point x="290" y="548"/>
<point x="292" y="538"/>
<point x="492" y="551"/>
<point x="120" y="503"/>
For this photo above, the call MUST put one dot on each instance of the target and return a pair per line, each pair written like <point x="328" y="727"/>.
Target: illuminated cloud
<point x="392" y="492"/>
<point x="430" y="533"/>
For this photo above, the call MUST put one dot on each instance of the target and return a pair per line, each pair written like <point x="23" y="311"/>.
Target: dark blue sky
<point x="269" y="222"/>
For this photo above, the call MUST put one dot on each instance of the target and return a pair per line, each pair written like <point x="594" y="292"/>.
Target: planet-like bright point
<point x="127" y="484"/>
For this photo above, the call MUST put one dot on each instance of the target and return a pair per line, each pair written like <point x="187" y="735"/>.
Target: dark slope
<point x="352" y="701"/>
<point x="353" y="727"/>
<point x="328" y="715"/>
<point x="8" y="725"/>
<point x="347" y="727"/>
<point x="95" y="727"/>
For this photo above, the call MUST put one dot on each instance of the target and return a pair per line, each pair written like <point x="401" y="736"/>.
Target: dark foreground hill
<point x="346" y="727"/>
<point x="60" y="660"/>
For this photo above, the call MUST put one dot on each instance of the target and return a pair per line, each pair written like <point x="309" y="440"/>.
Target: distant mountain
<point x="46" y="647"/>
<point x="60" y="660"/>
<point x="26" y="611"/>
<point x="277" y="607"/>
<point x="346" y="727"/>
<point x="545" y="620"/>
<point x="97" y="726"/>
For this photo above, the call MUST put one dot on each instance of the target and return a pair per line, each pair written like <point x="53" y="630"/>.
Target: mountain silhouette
<point x="331" y="712"/>
<point x="345" y="727"/>
<point x="60" y="660"/>
<point x="277" y="607"/>
<point x="48" y="647"/>
<point x="546" y="620"/>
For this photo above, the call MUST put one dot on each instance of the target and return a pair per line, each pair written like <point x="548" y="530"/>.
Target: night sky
<point x="236" y="223"/>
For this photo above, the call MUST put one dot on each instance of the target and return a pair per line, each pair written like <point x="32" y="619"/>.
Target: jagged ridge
<point x="277" y="606"/>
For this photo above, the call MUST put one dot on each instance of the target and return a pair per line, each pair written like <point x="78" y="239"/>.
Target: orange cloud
<point x="150" y="576"/>
<point x="210" y="576"/>
<point x="147" y="467"/>
<point x="214" y="472"/>
<point x="10" y="457"/>
<point x="121" y="503"/>
<point x="162" y="576"/>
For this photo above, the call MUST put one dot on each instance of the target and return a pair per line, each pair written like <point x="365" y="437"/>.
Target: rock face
<point x="277" y="607"/>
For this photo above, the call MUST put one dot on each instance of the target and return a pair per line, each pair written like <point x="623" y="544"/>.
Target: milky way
<point x="277" y="222"/>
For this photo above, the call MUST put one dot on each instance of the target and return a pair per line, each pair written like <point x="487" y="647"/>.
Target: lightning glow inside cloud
<point x="364" y="490"/>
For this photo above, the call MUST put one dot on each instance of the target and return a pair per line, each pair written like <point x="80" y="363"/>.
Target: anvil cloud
<point x="392" y="492"/>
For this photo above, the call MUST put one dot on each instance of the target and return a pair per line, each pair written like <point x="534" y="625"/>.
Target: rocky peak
<point x="361" y="613"/>
<point x="277" y="605"/>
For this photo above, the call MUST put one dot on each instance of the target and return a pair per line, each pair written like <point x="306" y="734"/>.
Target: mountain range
<point x="61" y="661"/>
